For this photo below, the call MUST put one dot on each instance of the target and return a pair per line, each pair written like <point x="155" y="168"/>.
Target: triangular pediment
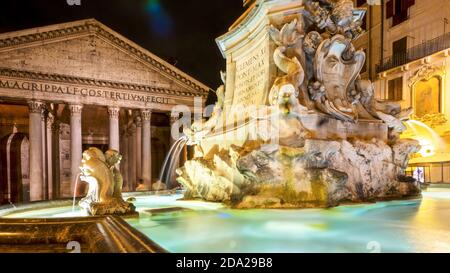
<point x="88" y="49"/>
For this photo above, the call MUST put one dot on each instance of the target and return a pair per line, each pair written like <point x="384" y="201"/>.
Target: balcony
<point x="415" y="53"/>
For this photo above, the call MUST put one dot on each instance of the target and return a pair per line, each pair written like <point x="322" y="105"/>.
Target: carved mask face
<point x="337" y="66"/>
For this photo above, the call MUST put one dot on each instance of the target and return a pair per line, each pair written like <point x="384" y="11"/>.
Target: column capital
<point x="50" y="120"/>
<point x="138" y="121"/>
<point x="75" y="109"/>
<point x="36" y="106"/>
<point x="44" y="113"/>
<point x="113" y="112"/>
<point x="146" y="114"/>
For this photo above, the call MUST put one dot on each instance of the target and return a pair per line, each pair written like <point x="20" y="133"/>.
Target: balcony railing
<point x="415" y="53"/>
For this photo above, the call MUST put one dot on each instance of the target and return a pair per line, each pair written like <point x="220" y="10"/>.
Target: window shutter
<point x="390" y="9"/>
<point x="411" y="3"/>
<point x="406" y="4"/>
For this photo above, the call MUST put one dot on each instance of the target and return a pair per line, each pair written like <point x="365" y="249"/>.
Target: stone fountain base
<point x="115" y="206"/>
<point x="321" y="174"/>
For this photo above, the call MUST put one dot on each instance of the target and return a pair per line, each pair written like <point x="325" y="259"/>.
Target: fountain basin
<point x="417" y="225"/>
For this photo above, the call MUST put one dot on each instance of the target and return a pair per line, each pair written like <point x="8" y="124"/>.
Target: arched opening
<point x="14" y="169"/>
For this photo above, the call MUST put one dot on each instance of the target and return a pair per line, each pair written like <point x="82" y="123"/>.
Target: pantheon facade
<point x="67" y="87"/>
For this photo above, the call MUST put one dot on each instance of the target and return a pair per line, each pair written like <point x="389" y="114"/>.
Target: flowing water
<point x="171" y="161"/>
<point x="420" y="225"/>
<point x="74" y="200"/>
<point x="427" y="137"/>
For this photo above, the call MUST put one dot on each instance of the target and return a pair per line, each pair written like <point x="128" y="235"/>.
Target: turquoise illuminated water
<point x="398" y="226"/>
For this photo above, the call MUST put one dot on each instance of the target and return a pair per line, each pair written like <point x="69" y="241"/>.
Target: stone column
<point x="114" y="140"/>
<point x="132" y="157"/>
<point x="49" y="170"/>
<point x="36" y="160"/>
<point x="56" y="160"/>
<point x="75" y="142"/>
<point x="146" y="147"/>
<point x="44" y="150"/>
<point x="125" y="159"/>
<point x="138" y="153"/>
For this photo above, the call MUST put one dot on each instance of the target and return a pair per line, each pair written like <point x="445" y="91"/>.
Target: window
<point x="398" y="10"/>
<point x="360" y="3"/>
<point x="395" y="89"/>
<point x="399" y="50"/>
<point x="390" y="9"/>
<point x="364" y="23"/>
<point x="400" y="46"/>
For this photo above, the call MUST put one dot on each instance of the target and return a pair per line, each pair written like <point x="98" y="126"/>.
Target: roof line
<point x="14" y="38"/>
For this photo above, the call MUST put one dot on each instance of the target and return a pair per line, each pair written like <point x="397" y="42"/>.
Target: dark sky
<point x="175" y="30"/>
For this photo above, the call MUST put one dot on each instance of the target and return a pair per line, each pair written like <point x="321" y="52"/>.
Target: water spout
<point x="75" y="192"/>
<point x="171" y="161"/>
<point x="427" y="137"/>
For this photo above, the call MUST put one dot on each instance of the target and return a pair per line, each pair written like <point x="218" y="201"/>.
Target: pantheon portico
<point x="67" y="87"/>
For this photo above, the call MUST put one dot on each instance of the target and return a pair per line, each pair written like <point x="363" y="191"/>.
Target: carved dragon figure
<point x="105" y="183"/>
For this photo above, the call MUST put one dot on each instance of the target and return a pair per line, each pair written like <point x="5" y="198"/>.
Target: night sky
<point x="179" y="31"/>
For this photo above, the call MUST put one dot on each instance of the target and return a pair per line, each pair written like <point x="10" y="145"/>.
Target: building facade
<point x="370" y="40"/>
<point x="67" y="87"/>
<point x="413" y="70"/>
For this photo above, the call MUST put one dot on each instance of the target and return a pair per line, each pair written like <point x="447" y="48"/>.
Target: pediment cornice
<point x="58" y="78"/>
<point x="67" y="31"/>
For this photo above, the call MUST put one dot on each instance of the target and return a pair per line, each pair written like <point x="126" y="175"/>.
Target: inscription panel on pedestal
<point x="252" y="76"/>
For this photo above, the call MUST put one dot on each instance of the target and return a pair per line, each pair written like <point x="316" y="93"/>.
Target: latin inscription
<point x="252" y="74"/>
<point x="81" y="91"/>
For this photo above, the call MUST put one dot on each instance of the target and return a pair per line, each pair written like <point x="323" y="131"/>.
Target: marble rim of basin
<point x="94" y="234"/>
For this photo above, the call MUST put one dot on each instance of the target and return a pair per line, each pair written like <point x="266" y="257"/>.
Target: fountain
<point x="104" y="195"/>
<point x="428" y="138"/>
<point x="168" y="170"/>
<point x="295" y="125"/>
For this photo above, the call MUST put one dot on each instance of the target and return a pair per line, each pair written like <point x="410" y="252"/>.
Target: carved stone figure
<point x="201" y="128"/>
<point x="312" y="149"/>
<point x="105" y="182"/>
<point x="336" y="17"/>
<point x="337" y="67"/>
